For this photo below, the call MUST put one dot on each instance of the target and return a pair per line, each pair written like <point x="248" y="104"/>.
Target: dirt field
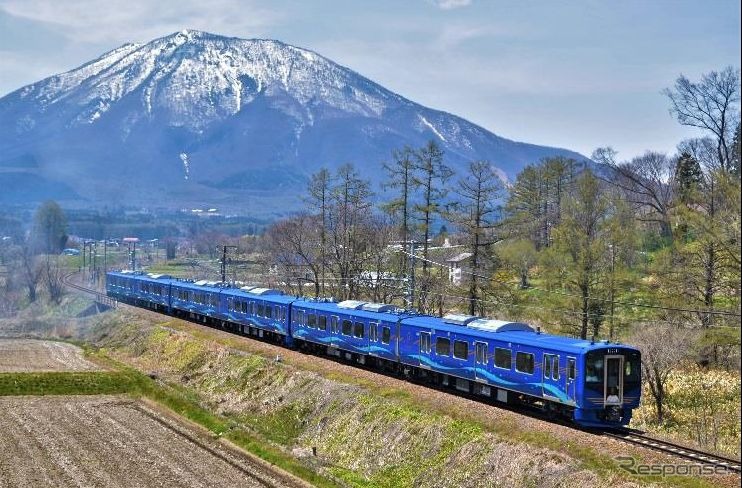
<point x="28" y="355"/>
<point x="113" y="442"/>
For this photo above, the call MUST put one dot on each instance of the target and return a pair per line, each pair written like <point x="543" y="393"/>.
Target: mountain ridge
<point x="229" y="105"/>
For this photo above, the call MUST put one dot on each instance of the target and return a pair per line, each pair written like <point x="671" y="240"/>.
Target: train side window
<point x="460" y="349"/>
<point x="503" y="358"/>
<point x="268" y="311"/>
<point x="443" y="346"/>
<point x="425" y="342"/>
<point x="322" y="322"/>
<point x="547" y="365"/>
<point x="358" y="330"/>
<point x="481" y="352"/>
<point x="555" y="368"/>
<point x="386" y="335"/>
<point x="571" y="368"/>
<point x="261" y="310"/>
<point x="334" y="324"/>
<point x="373" y="331"/>
<point x="524" y="362"/>
<point x="347" y="327"/>
<point x="312" y="321"/>
<point x="244" y="307"/>
<point x="297" y="316"/>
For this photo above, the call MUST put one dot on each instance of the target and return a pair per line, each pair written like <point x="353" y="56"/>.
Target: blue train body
<point x="595" y="384"/>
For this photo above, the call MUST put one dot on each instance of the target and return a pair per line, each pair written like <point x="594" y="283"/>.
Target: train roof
<point x="472" y="326"/>
<point x="372" y="311"/>
<point x="513" y="332"/>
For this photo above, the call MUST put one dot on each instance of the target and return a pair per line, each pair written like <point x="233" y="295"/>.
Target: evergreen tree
<point x="429" y="179"/>
<point x="688" y="177"/>
<point x="49" y="228"/>
<point x="735" y="159"/>
<point x="475" y="214"/>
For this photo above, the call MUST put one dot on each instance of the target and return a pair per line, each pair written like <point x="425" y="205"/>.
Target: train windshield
<point x="595" y="374"/>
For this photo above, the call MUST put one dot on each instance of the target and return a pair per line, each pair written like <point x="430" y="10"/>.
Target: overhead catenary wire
<point x="594" y="299"/>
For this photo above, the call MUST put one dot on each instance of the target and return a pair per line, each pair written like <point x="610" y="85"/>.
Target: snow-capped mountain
<point x="195" y="118"/>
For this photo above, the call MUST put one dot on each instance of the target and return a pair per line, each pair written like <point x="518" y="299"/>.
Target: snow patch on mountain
<point x="431" y="127"/>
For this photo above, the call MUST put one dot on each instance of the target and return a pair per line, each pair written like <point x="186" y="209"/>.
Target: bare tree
<point x="476" y="214"/>
<point x="351" y="205"/>
<point x="295" y="246"/>
<point x="52" y="275"/>
<point x="30" y="271"/>
<point x="430" y="177"/>
<point x="320" y="188"/>
<point x="710" y="104"/>
<point x="646" y="181"/>
<point x="663" y="347"/>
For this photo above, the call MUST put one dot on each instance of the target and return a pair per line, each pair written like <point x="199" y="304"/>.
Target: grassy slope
<point x="365" y="435"/>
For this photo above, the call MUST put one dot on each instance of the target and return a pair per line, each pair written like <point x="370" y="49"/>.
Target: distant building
<point x="458" y="266"/>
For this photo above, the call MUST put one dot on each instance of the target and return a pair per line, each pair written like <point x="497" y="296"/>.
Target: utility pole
<point x="613" y="268"/>
<point x="411" y="278"/>
<point x="224" y="261"/>
<point x="94" y="252"/>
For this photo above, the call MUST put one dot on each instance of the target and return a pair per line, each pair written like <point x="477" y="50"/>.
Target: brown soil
<point x="110" y="441"/>
<point x="31" y="356"/>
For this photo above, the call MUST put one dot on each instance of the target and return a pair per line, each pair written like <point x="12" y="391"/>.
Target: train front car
<point x="609" y="386"/>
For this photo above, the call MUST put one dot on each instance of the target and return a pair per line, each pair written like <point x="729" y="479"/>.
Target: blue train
<point x="595" y="384"/>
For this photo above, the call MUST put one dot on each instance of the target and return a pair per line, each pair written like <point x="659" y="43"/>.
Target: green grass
<point x="67" y="383"/>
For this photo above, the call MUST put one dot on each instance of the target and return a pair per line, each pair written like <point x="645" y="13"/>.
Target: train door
<point x="571" y="381"/>
<point x="613" y="380"/>
<point x="480" y="360"/>
<point x="550" y="377"/>
<point x="425" y="348"/>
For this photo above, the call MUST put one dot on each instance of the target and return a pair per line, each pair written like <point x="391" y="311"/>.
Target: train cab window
<point x="555" y="368"/>
<point x="571" y="368"/>
<point x="503" y="358"/>
<point x="347" y="327"/>
<point x="334" y="324"/>
<point x="322" y="322"/>
<point x="481" y="352"/>
<point x="312" y="321"/>
<point x="373" y="331"/>
<point x="443" y="346"/>
<point x="524" y="362"/>
<point x="632" y="370"/>
<point x="460" y="349"/>
<point x="594" y="368"/>
<point x="358" y="330"/>
<point x="425" y="342"/>
<point x="386" y="335"/>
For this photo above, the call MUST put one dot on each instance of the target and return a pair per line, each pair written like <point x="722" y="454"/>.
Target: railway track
<point x="101" y="298"/>
<point x="638" y="438"/>
<point x="630" y="436"/>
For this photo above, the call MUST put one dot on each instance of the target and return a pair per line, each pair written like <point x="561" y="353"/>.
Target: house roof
<point x="459" y="257"/>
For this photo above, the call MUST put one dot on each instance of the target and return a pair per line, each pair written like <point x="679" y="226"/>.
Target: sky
<point x="575" y="74"/>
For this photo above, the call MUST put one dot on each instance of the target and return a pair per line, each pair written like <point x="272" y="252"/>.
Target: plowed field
<point x="30" y="356"/>
<point x="111" y="441"/>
